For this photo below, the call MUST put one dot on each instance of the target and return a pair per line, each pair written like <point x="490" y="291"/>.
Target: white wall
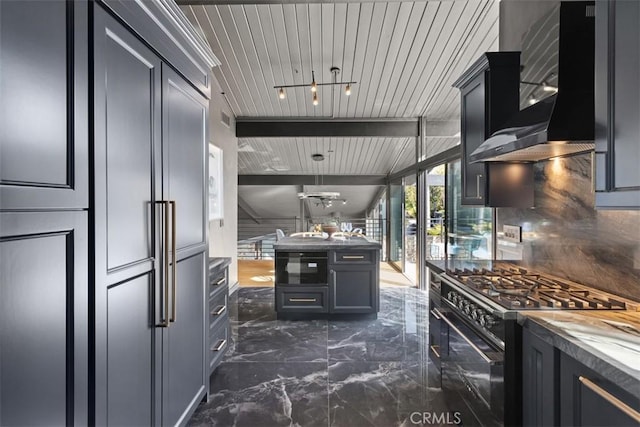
<point x="223" y="235"/>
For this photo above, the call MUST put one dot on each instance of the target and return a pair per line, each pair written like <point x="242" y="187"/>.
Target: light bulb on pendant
<point x="315" y="98"/>
<point x="281" y="93"/>
<point x="532" y="100"/>
<point x="548" y="88"/>
<point x="314" y="85"/>
<point x="347" y="90"/>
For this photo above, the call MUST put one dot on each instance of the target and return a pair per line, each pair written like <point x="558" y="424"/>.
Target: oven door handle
<point x="459" y="332"/>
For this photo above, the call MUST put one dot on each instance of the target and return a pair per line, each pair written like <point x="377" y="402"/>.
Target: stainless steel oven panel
<point x="471" y="367"/>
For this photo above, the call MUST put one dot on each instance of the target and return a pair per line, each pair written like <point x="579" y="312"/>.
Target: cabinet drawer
<point x="217" y="280"/>
<point x="218" y="308"/>
<point x="218" y="344"/>
<point x="354" y="257"/>
<point x="302" y="300"/>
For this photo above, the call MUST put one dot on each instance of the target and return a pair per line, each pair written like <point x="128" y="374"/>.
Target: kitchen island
<point x="320" y="278"/>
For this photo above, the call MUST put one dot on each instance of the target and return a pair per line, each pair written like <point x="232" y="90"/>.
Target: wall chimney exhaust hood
<point x="563" y="123"/>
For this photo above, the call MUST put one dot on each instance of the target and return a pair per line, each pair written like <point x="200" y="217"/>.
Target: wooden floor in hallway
<point x="261" y="273"/>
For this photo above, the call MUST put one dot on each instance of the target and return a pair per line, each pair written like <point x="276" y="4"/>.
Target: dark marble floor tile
<point x="280" y="341"/>
<point x="374" y="342"/>
<point x="380" y="393"/>
<point x="248" y="313"/>
<point x="265" y="395"/>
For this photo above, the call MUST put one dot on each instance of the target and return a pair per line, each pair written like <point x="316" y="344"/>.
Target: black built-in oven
<point x="301" y="268"/>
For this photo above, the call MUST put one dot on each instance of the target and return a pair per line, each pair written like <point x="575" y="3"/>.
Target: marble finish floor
<point x="324" y="373"/>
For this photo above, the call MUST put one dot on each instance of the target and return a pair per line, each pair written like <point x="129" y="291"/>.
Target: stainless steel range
<point x="476" y="342"/>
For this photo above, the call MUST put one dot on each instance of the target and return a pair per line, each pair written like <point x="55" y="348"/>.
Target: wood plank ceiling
<point x="403" y="54"/>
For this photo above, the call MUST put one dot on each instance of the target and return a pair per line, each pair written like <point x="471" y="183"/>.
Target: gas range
<point x="487" y="298"/>
<point x="475" y="339"/>
<point x="516" y="288"/>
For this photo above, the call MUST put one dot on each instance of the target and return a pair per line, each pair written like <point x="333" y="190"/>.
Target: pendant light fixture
<point x="314" y="86"/>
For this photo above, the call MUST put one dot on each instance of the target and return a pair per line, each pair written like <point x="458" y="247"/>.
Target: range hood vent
<point x="562" y="124"/>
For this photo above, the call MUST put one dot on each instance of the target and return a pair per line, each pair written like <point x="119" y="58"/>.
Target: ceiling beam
<point x="288" y="128"/>
<point x="312" y="180"/>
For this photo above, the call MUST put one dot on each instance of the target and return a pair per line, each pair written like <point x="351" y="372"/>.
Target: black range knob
<point x="469" y="308"/>
<point x="487" y="320"/>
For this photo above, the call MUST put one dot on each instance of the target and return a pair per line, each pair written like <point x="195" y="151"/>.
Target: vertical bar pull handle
<point x="164" y="323"/>
<point x="478" y="186"/>
<point x="174" y="272"/>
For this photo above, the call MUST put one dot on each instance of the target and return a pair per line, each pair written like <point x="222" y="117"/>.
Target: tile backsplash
<point x="564" y="235"/>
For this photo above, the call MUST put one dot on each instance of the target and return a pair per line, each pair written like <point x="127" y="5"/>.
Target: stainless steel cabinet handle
<point x="219" y="311"/>
<point x="478" y="186"/>
<point x="433" y="311"/>
<point x="464" y="337"/>
<point x="164" y="323"/>
<point x="219" y="346"/>
<point x="303" y="299"/>
<point x="221" y="281"/>
<point x="433" y="348"/>
<point x="174" y="279"/>
<point x="352" y="256"/>
<point x="628" y="410"/>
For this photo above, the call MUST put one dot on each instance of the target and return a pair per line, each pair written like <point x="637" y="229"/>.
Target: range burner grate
<point x="517" y="288"/>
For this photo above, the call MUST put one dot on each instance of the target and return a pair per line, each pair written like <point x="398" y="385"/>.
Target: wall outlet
<point x="512" y="233"/>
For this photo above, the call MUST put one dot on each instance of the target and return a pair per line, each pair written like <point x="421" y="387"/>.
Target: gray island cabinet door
<point x="354" y="281"/>
<point x="352" y="290"/>
<point x="43" y="319"/>
<point x="128" y="287"/>
<point x="185" y="147"/>
<point x="43" y="105"/>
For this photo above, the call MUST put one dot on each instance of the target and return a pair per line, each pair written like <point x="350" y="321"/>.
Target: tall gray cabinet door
<point x="43" y="319"/>
<point x="184" y="345"/>
<point x="43" y="104"/>
<point x="184" y="154"/>
<point x="185" y="147"/>
<point x="128" y="288"/>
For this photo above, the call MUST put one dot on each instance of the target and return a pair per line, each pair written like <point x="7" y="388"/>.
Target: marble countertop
<point x="606" y="341"/>
<point x="315" y="243"/>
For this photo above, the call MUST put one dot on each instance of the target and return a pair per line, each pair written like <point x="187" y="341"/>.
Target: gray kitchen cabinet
<point x="589" y="399"/>
<point x="150" y="236"/>
<point x="354" y="281"/>
<point x="540" y="365"/>
<point x="218" y="314"/>
<point x="44" y="318"/>
<point x="184" y="147"/>
<point x="44" y="252"/>
<point x="489" y="95"/>
<point x="617" y="104"/>
<point x="43" y="105"/>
